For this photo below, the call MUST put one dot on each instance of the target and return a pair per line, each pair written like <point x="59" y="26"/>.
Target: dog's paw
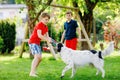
<point x="61" y="77"/>
<point x="103" y="76"/>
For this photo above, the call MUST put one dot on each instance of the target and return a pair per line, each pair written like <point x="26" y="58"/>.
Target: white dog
<point x="74" y="58"/>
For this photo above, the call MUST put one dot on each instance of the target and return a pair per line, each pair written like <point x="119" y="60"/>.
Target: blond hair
<point x="44" y="14"/>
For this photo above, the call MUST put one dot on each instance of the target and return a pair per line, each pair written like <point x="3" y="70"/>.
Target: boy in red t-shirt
<point x="39" y="33"/>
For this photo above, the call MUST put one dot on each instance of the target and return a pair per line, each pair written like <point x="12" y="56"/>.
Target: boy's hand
<point x="49" y="39"/>
<point x="78" y="39"/>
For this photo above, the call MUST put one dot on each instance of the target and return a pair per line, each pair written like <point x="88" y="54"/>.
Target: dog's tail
<point x="109" y="49"/>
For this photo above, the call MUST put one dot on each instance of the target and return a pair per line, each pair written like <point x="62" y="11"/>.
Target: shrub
<point x="52" y="32"/>
<point x="7" y="32"/>
<point x="59" y="35"/>
<point x="1" y="44"/>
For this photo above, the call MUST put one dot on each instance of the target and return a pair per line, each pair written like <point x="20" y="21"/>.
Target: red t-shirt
<point x="34" y="37"/>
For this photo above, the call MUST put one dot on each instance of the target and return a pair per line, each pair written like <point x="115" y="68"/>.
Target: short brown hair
<point x="69" y="12"/>
<point x="44" y="14"/>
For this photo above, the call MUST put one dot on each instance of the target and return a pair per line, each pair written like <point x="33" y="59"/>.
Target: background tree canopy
<point x="89" y="11"/>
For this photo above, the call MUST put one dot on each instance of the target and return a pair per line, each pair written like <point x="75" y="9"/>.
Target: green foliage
<point x="52" y="31"/>
<point x="16" y="49"/>
<point x="1" y="44"/>
<point x="93" y="1"/>
<point x="106" y="11"/>
<point x="7" y="32"/>
<point x="20" y="1"/>
<point x="97" y="46"/>
<point x="60" y="34"/>
<point x="98" y="27"/>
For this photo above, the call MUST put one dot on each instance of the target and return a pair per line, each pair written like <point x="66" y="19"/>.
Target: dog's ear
<point x="59" y="46"/>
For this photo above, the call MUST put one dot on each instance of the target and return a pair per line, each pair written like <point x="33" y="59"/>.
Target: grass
<point x="14" y="68"/>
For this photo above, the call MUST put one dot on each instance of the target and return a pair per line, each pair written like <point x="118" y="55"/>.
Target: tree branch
<point x="66" y="7"/>
<point x="90" y="5"/>
<point x="38" y="14"/>
<point x="75" y="4"/>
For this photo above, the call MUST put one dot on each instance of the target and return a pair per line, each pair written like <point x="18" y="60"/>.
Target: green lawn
<point x="14" y="68"/>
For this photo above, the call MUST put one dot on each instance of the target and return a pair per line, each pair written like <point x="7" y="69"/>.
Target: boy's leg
<point x="39" y="60"/>
<point x="35" y="63"/>
<point x="36" y="51"/>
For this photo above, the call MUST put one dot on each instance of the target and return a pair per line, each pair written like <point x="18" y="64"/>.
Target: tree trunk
<point x="87" y="20"/>
<point x="88" y="24"/>
<point x="31" y="12"/>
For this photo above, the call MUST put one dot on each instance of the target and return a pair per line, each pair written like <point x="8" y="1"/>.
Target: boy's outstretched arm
<point x="43" y="37"/>
<point x="63" y="35"/>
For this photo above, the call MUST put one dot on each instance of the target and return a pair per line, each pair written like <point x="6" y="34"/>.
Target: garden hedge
<point x="7" y="33"/>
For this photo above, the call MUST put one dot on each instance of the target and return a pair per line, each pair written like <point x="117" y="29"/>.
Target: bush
<point x="52" y="32"/>
<point x="7" y="32"/>
<point x="60" y="34"/>
<point x="1" y="44"/>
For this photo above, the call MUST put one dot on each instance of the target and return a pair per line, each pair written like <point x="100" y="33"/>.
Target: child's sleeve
<point x="39" y="27"/>
<point x="76" y="25"/>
